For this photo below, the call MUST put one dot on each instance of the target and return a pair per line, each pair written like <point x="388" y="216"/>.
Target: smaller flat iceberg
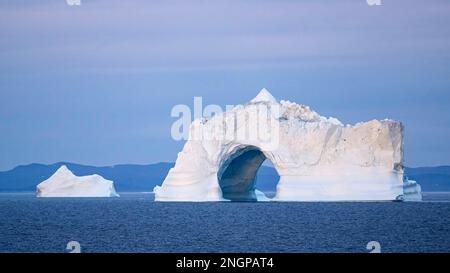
<point x="411" y="191"/>
<point x="63" y="183"/>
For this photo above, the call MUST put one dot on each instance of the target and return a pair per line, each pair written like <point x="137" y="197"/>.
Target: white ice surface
<point x="63" y="183"/>
<point x="411" y="191"/>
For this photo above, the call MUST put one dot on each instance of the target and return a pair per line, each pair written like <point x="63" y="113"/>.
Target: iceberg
<point x="63" y="183"/>
<point x="317" y="158"/>
<point x="261" y="196"/>
<point x="411" y="191"/>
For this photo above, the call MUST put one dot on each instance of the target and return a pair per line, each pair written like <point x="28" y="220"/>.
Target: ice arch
<point x="237" y="174"/>
<point x="316" y="158"/>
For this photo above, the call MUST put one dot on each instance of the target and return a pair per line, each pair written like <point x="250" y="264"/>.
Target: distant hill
<point x="431" y="178"/>
<point x="139" y="178"/>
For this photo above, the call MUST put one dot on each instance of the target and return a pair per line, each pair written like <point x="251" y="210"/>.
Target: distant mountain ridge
<point x="143" y="178"/>
<point x="431" y="178"/>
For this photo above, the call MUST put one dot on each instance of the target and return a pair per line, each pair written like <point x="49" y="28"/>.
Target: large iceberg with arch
<point x="317" y="158"/>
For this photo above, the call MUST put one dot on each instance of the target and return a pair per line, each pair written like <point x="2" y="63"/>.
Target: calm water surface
<point x="134" y="223"/>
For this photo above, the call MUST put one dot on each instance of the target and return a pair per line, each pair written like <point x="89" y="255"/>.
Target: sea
<point x="135" y="223"/>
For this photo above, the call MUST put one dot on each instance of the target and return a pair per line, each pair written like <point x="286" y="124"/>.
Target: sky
<point x="95" y="84"/>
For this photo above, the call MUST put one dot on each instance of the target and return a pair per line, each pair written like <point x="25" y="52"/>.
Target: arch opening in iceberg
<point x="237" y="175"/>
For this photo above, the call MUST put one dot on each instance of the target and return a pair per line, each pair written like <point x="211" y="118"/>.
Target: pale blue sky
<point x="95" y="84"/>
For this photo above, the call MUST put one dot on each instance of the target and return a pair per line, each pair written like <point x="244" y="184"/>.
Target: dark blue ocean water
<point x="134" y="223"/>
